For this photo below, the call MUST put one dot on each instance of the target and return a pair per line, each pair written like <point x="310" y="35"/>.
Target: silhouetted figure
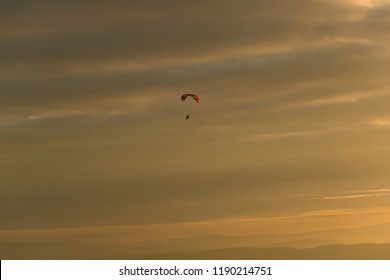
<point x="187" y="117"/>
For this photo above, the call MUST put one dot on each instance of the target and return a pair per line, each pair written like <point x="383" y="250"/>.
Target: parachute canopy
<point x="195" y="97"/>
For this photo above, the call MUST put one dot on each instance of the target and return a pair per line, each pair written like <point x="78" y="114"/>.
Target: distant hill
<point x="328" y="252"/>
<point x="200" y="243"/>
<point x="303" y="243"/>
<point x="55" y="250"/>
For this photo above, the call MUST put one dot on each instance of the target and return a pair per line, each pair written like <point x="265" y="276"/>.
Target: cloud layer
<point x="294" y="105"/>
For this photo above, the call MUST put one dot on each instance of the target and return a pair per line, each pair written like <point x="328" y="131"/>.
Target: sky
<point x="292" y="132"/>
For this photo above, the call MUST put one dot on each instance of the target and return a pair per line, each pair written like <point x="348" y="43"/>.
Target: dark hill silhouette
<point x="328" y="252"/>
<point x="203" y="242"/>
<point x="303" y="243"/>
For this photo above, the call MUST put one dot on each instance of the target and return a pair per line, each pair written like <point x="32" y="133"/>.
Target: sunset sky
<point x="292" y="132"/>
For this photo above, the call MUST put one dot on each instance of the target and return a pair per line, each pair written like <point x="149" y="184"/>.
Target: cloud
<point x="243" y="226"/>
<point x="383" y="122"/>
<point x="384" y="190"/>
<point x="294" y="96"/>
<point x="83" y="57"/>
<point x="354" y="196"/>
<point x="370" y="3"/>
<point x="360" y="194"/>
<point x="270" y="136"/>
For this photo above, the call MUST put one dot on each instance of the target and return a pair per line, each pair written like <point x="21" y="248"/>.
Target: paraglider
<point x="195" y="97"/>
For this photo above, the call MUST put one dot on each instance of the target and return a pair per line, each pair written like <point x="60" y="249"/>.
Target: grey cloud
<point x="135" y="30"/>
<point x="146" y="31"/>
<point x="341" y="64"/>
<point x="80" y="150"/>
<point x="157" y="174"/>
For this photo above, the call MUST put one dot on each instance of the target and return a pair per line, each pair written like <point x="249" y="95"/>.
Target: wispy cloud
<point x="354" y="196"/>
<point x="282" y="135"/>
<point x="370" y="3"/>
<point x="232" y="226"/>
<point x="349" y="98"/>
<point x="338" y="99"/>
<point x="384" y="190"/>
<point x="359" y="194"/>
<point x="382" y="122"/>
<point x="347" y="212"/>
